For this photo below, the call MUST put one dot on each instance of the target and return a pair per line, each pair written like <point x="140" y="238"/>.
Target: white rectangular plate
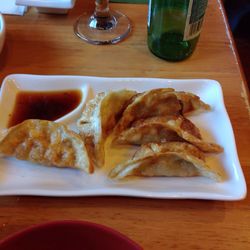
<point x="22" y="178"/>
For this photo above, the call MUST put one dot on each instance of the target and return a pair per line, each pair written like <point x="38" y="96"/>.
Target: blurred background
<point x="238" y="13"/>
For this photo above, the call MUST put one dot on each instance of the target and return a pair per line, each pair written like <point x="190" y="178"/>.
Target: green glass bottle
<point x="174" y="27"/>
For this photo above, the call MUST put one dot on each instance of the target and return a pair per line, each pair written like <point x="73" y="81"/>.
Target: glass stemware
<point x="104" y="26"/>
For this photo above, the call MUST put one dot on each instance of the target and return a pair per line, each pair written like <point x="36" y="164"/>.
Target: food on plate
<point x="99" y="118"/>
<point x="167" y="159"/>
<point x="159" y="102"/>
<point x="170" y="144"/>
<point x="190" y="102"/>
<point x="47" y="143"/>
<point x="163" y="129"/>
<point x="156" y="102"/>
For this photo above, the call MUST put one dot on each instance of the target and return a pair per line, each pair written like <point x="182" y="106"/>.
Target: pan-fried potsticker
<point x="159" y="102"/>
<point x="98" y="119"/>
<point x="164" y="129"/>
<point x="190" y="102"/>
<point x="178" y="159"/>
<point x="46" y="143"/>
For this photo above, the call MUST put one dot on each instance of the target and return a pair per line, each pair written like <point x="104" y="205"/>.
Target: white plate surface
<point x="22" y="178"/>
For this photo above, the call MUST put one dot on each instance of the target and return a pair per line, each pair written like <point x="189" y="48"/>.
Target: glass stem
<point x="102" y="8"/>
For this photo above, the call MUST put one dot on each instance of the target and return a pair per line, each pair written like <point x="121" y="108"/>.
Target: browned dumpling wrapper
<point x="98" y="119"/>
<point x="178" y="159"/>
<point x="164" y="129"/>
<point x="47" y="143"/>
<point x="159" y="102"/>
<point x="190" y="102"/>
<point x="156" y="102"/>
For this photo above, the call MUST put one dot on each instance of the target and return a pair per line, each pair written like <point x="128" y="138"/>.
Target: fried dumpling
<point x="159" y="102"/>
<point x="163" y="129"/>
<point x="190" y="102"/>
<point x="156" y="102"/>
<point x="178" y="159"/>
<point x="47" y="143"/>
<point x="98" y="119"/>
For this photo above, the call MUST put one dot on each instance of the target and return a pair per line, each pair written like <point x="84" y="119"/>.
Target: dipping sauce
<point x="47" y="105"/>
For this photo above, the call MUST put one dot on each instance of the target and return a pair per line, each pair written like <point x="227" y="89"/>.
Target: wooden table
<point x="45" y="44"/>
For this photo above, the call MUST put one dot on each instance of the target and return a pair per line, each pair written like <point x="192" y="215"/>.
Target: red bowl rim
<point x="101" y="227"/>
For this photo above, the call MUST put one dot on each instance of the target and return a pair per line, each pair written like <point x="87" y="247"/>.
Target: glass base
<point x="103" y="30"/>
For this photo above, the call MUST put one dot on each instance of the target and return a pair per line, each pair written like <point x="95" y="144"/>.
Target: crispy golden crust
<point x="156" y="102"/>
<point x="164" y="129"/>
<point x="89" y="126"/>
<point x="182" y="127"/>
<point x="47" y="143"/>
<point x="167" y="159"/>
<point x="159" y="102"/>
<point x="190" y="102"/>
<point x="99" y="118"/>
